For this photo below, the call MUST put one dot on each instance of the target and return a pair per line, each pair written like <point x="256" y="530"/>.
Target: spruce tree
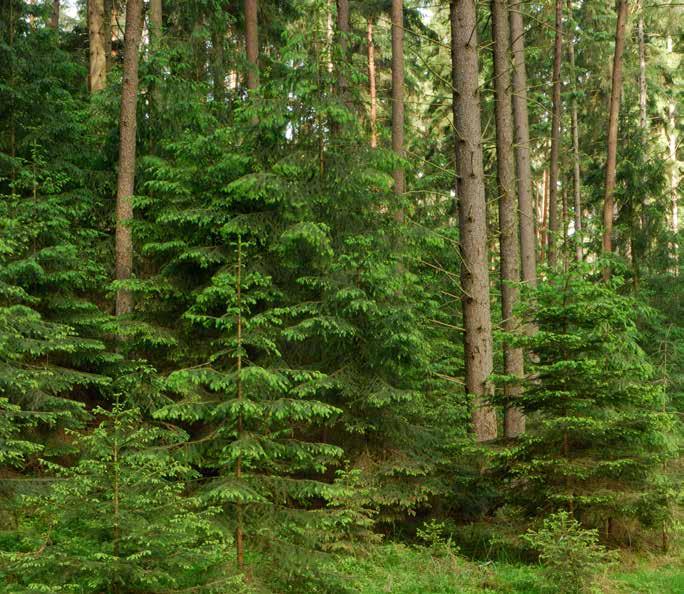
<point x="599" y="432"/>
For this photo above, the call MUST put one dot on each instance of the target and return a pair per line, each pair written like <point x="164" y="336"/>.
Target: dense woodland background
<point x="354" y="296"/>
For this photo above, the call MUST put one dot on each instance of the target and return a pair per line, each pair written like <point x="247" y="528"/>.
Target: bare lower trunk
<point x="343" y="29"/>
<point x="398" y="95"/>
<point x="97" y="77"/>
<point x="126" y="173"/>
<point x="108" y="33"/>
<point x="554" y="166"/>
<point x="544" y="229"/>
<point x="54" y="17"/>
<point x="614" y="112"/>
<point x="514" y="420"/>
<point x="472" y="209"/>
<point x="372" y="87"/>
<point x="674" y="171"/>
<point x="528" y="257"/>
<point x="155" y="21"/>
<point x="643" y="94"/>
<point x="252" y="43"/>
<point x="577" y="178"/>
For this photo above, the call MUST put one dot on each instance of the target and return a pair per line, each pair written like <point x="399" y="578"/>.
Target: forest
<point x="341" y="296"/>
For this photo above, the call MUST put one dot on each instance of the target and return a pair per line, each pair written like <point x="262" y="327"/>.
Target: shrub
<point x="571" y="554"/>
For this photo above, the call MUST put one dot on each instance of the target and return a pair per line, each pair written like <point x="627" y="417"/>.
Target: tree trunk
<point x="155" y="21"/>
<point x="343" y="30"/>
<point x="643" y="93"/>
<point x="514" y="420"/>
<point x="126" y="174"/>
<point x="614" y="112"/>
<point x="372" y="86"/>
<point x="108" y="32"/>
<point x="522" y="147"/>
<point x="555" y="139"/>
<point x="97" y="78"/>
<point x="544" y="228"/>
<point x="54" y="17"/>
<point x="252" y="43"/>
<point x="577" y="177"/>
<point x="398" y="95"/>
<point x="472" y="209"/>
<point x="674" y="169"/>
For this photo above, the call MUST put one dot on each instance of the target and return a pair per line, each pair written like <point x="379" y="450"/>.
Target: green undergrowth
<point x="403" y="569"/>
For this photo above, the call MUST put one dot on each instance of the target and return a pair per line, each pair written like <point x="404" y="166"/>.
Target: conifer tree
<point x="472" y="215"/>
<point x="118" y="520"/>
<point x="600" y="433"/>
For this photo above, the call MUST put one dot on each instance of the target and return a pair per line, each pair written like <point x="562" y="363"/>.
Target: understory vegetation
<point x="323" y="297"/>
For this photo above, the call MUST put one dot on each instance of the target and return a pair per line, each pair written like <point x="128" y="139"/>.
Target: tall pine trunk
<point x="613" y="115"/>
<point x="674" y="169"/>
<point x="398" y="95"/>
<point x="54" y="17"/>
<point x="643" y="92"/>
<point x="514" y="420"/>
<point x="554" y="166"/>
<point x="372" y="86"/>
<point x="126" y="173"/>
<point x="472" y="211"/>
<point x="97" y="74"/>
<point x="252" y="43"/>
<point x="528" y="254"/>
<point x="577" y="176"/>
<point x="343" y="30"/>
<point x="155" y="21"/>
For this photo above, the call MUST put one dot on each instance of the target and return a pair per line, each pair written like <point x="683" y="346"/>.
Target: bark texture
<point x="372" y="86"/>
<point x="54" y="17"/>
<point x="97" y="76"/>
<point x="614" y="113"/>
<point x="343" y="30"/>
<point x="514" y="420"/>
<point x="674" y="169"/>
<point x="472" y="211"/>
<point x="577" y="177"/>
<point x="126" y="173"/>
<point x="155" y="21"/>
<point x="554" y="166"/>
<point x="398" y="93"/>
<point x="252" y="43"/>
<point x="643" y="93"/>
<point x="528" y="255"/>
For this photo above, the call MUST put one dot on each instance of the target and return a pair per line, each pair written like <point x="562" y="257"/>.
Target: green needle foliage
<point x="119" y="520"/>
<point x="601" y="430"/>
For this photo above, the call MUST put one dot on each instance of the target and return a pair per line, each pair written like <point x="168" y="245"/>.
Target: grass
<point x="403" y="569"/>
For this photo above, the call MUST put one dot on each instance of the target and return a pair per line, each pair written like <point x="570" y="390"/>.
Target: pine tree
<point x="118" y="521"/>
<point x="598" y="433"/>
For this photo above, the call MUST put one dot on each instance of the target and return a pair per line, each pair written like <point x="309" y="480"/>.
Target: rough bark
<point x="343" y="30"/>
<point x="126" y="173"/>
<point x="554" y="166"/>
<point x="155" y="21"/>
<point x="674" y="170"/>
<point x="372" y="86"/>
<point x="614" y="112"/>
<point x="472" y="209"/>
<point x="97" y="77"/>
<point x="528" y="256"/>
<point x="108" y="33"/>
<point x="54" y="17"/>
<point x="514" y="420"/>
<point x="398" y="94"/>
<point x="577" y="177"/>
<point x="252" y="43"/>
<point x="643" y="93"/>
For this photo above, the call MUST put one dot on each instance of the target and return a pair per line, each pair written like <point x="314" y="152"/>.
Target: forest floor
<point x="401" y="569"/>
